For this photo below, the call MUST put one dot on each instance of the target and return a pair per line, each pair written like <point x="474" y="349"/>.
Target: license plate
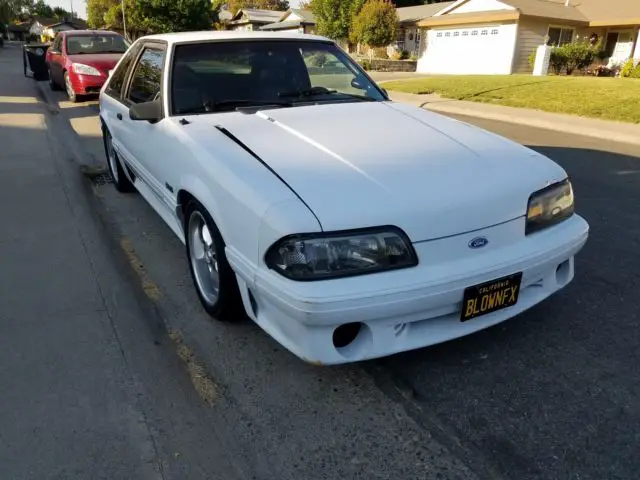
<point x="491" y="296"/>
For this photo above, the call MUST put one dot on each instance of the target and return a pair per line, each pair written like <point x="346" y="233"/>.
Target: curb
<point x="621" y="132"/>
<point x="575" y="127"/>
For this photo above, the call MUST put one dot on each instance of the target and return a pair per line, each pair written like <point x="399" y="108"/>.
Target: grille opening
<point x="563" y="272"/>
<point x="353" y="340"/>
<point x="346" y="334"/>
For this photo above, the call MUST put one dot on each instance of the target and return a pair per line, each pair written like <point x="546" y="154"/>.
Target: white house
<point x="497" y="36"/>
<point x="49" y="27"/>
<point x="294" y="19"/>
<point x="249" y="19"/>
<point x="409" y="36"/>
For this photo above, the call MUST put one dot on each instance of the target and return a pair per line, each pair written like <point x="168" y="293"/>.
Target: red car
<point x="80" y="60"/>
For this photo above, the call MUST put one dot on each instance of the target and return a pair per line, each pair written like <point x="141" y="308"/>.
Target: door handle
<point x="119" y="116"/>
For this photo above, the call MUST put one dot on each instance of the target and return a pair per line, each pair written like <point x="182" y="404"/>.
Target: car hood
<point x="101" y="61"/>
<point x="382" y="163"/>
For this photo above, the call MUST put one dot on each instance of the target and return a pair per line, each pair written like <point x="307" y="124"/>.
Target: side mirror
<point x="355" y="83"/>
<point x="148" y="111"/>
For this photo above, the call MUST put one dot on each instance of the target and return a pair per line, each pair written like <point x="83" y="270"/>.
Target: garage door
<point x="470" y="50"/>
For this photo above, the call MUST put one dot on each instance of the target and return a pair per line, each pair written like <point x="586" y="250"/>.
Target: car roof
<point x="207" y="36"/>
<point x="76" y="33"/>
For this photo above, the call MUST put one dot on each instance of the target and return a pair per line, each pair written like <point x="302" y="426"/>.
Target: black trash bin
<point x="34" y="60"/>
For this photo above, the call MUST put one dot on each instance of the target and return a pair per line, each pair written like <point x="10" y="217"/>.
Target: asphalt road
<point x="551" y="394"/>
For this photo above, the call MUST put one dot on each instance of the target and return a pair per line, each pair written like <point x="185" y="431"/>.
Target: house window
<point x="439" y="34"/>
<point x="475" y="32"/>
<point x="559" y="36"/>
<point x="465" y="34"/>
<point x="456" y="34"/>
<point x="494" y="31"/>
<point x="448" y="34"/>
<point x="484" y="32"/>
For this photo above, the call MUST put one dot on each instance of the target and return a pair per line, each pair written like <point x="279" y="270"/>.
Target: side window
<point x="57" y="44"/>
<point x="147" y="76"/>
<point x="114" y="88"/>
<point x="326" y="70"/>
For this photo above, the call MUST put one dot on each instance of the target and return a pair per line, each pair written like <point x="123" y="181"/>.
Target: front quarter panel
<point x="235" y="188"/>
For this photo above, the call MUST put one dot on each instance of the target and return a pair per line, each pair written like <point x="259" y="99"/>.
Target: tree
<point x="161" y="16"/>
<point x="334" y="17"/>
<point x="99" y="10"/>
<point x="376" y="24"/>
<point x="40" y="9"/>
<point x="11" y="10"/>
<point x="152" y="16"/>
<point x="59" y="12"/>
<point x="234" y="5"/>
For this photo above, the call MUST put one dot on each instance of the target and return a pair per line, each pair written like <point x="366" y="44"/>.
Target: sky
<point x="80" y="6"/>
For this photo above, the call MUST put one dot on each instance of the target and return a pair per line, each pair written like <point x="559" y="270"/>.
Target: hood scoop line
<point x="322" y="148"/>
<point x="242" y="145"/>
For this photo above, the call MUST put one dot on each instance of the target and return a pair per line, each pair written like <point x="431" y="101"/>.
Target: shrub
<point x="558" y="60"/>
<point x="404" y="54"/>
<point x="627" y="68"/>
<point x="317" y="59"/>
<point x="396" y="55"/>
<point x="413" y="58"/>
<point x="579" y="55"/>
<point x="366" y="64"/>
<point x="636" y="71"/>
<point x="532" y="58"/>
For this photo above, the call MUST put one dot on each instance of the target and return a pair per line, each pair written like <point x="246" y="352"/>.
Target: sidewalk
<point x="69" y="407"/>
<point x="590" y="127"/>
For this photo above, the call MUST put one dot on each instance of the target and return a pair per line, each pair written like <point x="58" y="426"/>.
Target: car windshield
<point x="224" y="76"/>
<point x="85" y="44"/>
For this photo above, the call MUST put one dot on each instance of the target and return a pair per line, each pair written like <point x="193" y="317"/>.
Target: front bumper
<point x="87" y="84"/>
<point x="405" y="309"/>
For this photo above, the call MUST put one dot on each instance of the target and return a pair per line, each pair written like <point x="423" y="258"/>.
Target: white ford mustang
<point x="347" y="226"/>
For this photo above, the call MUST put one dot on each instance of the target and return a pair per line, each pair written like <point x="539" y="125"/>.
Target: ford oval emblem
<point x="478" y="242"/>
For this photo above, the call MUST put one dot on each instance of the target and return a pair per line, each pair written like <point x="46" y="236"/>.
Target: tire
<point x="120" y="180"/>
<point x="52" y="83"/>
<point x="225" y="304"/>
<point x="73" y="97"/>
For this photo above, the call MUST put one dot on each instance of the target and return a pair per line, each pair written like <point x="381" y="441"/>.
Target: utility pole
<point x="124" y="21"/>
<point x="72" y="15"/>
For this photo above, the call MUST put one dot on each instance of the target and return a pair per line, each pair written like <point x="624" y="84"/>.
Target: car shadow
<point x="544" y="394"/>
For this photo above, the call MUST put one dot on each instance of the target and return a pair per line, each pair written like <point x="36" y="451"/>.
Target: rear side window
<point x="57" y="44"/>
<point x="114" y="88"/>
<point x="147" y="76"/>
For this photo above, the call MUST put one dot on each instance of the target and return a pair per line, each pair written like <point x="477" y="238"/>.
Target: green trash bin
<point x="34" y="60"/>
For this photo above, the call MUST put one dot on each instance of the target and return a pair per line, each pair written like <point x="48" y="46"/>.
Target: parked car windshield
<point x="222" y="76"/>
<point x="80" y="44"/>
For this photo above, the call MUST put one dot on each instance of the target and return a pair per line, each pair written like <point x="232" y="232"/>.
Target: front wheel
<point x="211" y="273"/>
<point x="73" y="97"/>
<point x="120" y="179"/>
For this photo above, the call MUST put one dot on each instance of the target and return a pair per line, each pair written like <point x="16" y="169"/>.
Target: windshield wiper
<point x="309" y="92"/>
<point x="231" y="104"/>
<point x="319" y="91"/>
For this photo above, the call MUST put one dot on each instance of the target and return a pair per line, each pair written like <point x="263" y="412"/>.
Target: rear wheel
<point x="120" y="179"/>
<point x="211" y="273"/>
<point x="52" y="83"/>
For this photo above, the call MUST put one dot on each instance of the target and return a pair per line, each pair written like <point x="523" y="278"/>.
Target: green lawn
<point x="598" y="97"/>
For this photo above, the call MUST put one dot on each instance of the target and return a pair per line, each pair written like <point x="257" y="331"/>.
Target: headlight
<point x="83" y="69"/>
<point x="340" y="254"/>
<point x="549" y="206"/>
